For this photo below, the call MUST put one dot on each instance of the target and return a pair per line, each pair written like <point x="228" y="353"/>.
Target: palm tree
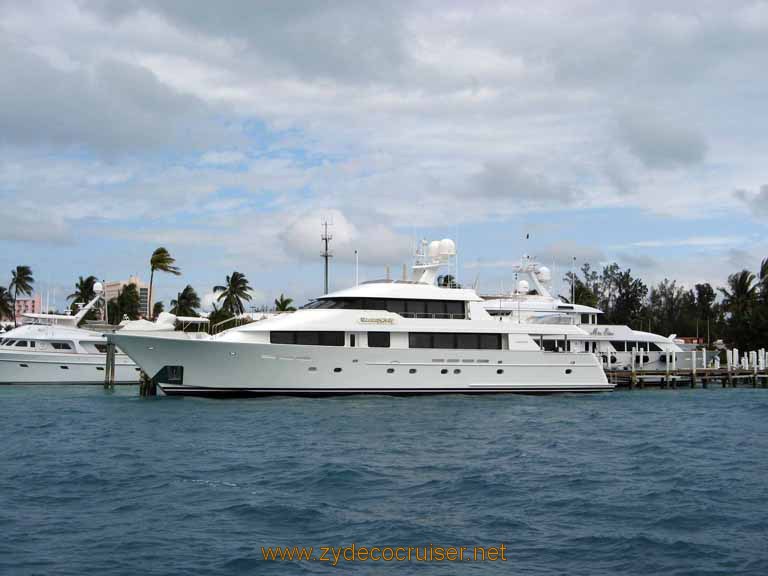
<point x="21" y="283"/>
<point x="186" y="303"/>
<point x="162" y="261"/>
<point x="83" y="291"/>
<point x="233" y="293"/>
<point x="283" y="304"/>
<point x="740" y="294"/>
<point x="6" y="303"/>
<point x="157" y="309"/>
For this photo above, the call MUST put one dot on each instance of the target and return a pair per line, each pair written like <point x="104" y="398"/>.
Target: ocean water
<point x="644" y="482"/>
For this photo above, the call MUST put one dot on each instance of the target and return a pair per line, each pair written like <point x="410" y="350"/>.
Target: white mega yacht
<point x="532" y="302"/>
<point x="51" y="349"/>
<point x="380" y="337"/>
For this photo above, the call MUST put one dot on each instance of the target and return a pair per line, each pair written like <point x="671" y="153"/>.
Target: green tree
<point x="233" y="293"/>
<point x="157" y="309"/>
<point x="284" y="304"/>
<point x="83" y="293"/>
<point x="740" y="300"/>
<point x="186" y="303"/>
<point x="6" y="303"/>
<point x="161" y="261"/>
<point x="21" y="283"/>
<point x="629" y="297"/>
<point x="128" y="302"/>
<point x="216" y="316"/>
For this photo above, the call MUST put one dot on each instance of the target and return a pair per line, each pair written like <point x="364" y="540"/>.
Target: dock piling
<point x="109" y="367"/>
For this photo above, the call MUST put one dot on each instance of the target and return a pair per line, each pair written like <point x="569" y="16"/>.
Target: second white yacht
<point x="381" y="337"/>
<point x="51" y="349"/>
<point x="532" y="302"/>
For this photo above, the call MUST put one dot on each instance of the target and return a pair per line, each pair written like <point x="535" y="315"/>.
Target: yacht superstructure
<point x="532" y="302"/>
<point x="53" y="350"/>
<point x="380" y="337"/>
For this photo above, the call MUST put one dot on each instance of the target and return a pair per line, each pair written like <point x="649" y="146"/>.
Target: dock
<point x="747" y="370"/>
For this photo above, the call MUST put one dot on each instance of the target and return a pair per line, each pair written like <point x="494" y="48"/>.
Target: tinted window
<point x="443" y="340"/>
<point x="435" y="307"/>
<point x="307" y="338"/>
<point x="331" y="338"/>
<point x="642" y="345"/>
<point x="61" y="346"/>
<point x="454" y="307"/>
<point x="375" y="304"/>
<point x="652" y="346"/>
<point x="619" y="345"/>
<point x="101" y="348"/>
<point x="21" y="344"/>
<point x="378" y="339"/>
<point x="415" y="306"/>
<point x="468" y="341"/>
<point x="282" y="337"/>
<point x="419" y="340"/>
<point x="490" y="341"/>
<point x="396" y="306"/>
<point x="585" y="318"/>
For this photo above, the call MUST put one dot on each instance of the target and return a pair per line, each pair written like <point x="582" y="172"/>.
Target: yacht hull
<point x="51" y="368"/>
<point x="221" y="368"/>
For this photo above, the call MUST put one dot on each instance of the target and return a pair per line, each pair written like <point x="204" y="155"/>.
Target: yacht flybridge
<point x="532" y="302"/>
<point x="380" y="337"/>
<point x="51" y="349"/>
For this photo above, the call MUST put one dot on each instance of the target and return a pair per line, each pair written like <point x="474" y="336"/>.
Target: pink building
<point x="32" y="305"/>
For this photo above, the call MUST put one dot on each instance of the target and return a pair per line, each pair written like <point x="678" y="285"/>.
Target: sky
<point x="624" y="131"/>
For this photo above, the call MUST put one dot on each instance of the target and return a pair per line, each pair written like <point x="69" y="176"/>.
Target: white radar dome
<point x="523" y="287"/>
<point x="447" y="247"/>
<point x="544" y="275"/>
<point x="98" y="288"/>
<point x="434" y="249"/>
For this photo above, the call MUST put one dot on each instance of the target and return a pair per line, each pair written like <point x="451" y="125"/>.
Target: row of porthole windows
<point x="413" y="370"/>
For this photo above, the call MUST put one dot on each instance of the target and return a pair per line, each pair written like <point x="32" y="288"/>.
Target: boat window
<point x="444" y="340"/>
<point x="642" y="345"/>
<point x="619" y="345"/>
<point x="456" y="341"/>
<point x="307" y="338"/>
<point x="553" y="345"/>
<point x="468" y="341"/>
<point x="101" y="348"/>
<point x="585" y="318"/>
<point x="351" y="340"/>
<point x="652" y="346"/>
<point x="378" y="340"/>
<point x="490" y="341"/>
<point x="61" y="346"/>
<point x="404" y="307"/>
<point x="21" y="344"/>
<point x="9" y="342"/>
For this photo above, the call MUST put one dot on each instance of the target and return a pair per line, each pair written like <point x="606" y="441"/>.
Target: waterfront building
<point x="112" y="290"/>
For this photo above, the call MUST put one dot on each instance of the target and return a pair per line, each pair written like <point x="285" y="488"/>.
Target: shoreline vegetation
<point x="736" y="313"/>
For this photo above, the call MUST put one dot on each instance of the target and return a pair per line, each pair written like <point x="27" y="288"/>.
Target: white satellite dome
<point x="523" y="287"/>
<point x="544" y="275"/>
<point x="447" y="247"/>
<point x="434" y="249"/>
<point x="98" y="288"/>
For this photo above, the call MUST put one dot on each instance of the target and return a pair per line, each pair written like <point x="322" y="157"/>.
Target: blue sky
<point x="609" y="132"/>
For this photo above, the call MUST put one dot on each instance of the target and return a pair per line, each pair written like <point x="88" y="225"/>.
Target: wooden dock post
<point x="633" y="376"/>
<point x="147" y="385"/>
<point x="667" y="367"/>
<point x="109" y="367"/>
<point x="728" y="367"/>
<point x="753" y="362"/>
<point x="693" y="368"/>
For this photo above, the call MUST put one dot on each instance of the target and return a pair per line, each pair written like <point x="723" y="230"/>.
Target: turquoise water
<point x="644" y="482"/>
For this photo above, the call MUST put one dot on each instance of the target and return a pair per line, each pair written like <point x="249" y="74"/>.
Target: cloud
<point x="514" y="183"/>
<point x="377" y="243"/>
<point x="660" y="140"/>
<point x="757" y="203"/>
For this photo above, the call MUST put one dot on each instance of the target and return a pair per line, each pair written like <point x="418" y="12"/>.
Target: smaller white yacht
<point x="51" y="349"/>
<point x="531" y="302"/>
